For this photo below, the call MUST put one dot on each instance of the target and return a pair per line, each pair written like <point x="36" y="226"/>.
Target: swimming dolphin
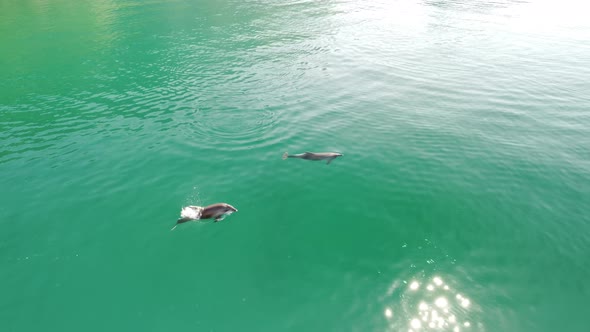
<point x="328" y="156"/>
<point x="216" y="211"/>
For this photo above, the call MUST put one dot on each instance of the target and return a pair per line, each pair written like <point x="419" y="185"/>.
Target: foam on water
<point x="191" y="212"/>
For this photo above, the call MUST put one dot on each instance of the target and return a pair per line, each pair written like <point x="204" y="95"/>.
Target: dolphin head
<point x="230" y="208"/>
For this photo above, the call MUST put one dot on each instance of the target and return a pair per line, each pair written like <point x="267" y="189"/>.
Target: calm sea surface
<point x="461" y="202"/>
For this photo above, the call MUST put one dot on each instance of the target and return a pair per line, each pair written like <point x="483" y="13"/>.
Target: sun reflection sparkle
<point x="388" y="313"/>
<point x="439" y="307"/>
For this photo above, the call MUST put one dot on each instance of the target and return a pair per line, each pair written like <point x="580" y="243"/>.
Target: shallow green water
<point x="464" y="187"/>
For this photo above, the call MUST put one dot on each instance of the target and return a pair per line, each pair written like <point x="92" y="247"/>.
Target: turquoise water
<point x="460" y="203"/>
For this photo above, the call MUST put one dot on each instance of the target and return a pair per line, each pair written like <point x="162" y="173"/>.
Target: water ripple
<point x="230" y="129"/>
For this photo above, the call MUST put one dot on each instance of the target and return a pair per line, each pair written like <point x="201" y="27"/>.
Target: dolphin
<point x="215" y="211"/>
<point x="328" y="156"/>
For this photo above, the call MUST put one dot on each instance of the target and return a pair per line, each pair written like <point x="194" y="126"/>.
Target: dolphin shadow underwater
<point x="327" y="156"/>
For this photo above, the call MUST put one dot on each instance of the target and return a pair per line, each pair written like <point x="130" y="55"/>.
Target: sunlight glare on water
<point x="441" y="308"/>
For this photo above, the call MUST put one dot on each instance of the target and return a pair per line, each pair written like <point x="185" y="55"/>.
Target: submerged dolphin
<point x="328" y="156"/>
<point x="216" y="211"/>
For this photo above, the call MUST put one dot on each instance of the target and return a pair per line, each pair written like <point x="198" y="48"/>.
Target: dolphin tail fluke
<point x="178" y="222"/>
<point x="285" y="155"/>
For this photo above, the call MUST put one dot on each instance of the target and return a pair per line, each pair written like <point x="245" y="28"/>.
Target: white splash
<point x="191" y="212"/>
